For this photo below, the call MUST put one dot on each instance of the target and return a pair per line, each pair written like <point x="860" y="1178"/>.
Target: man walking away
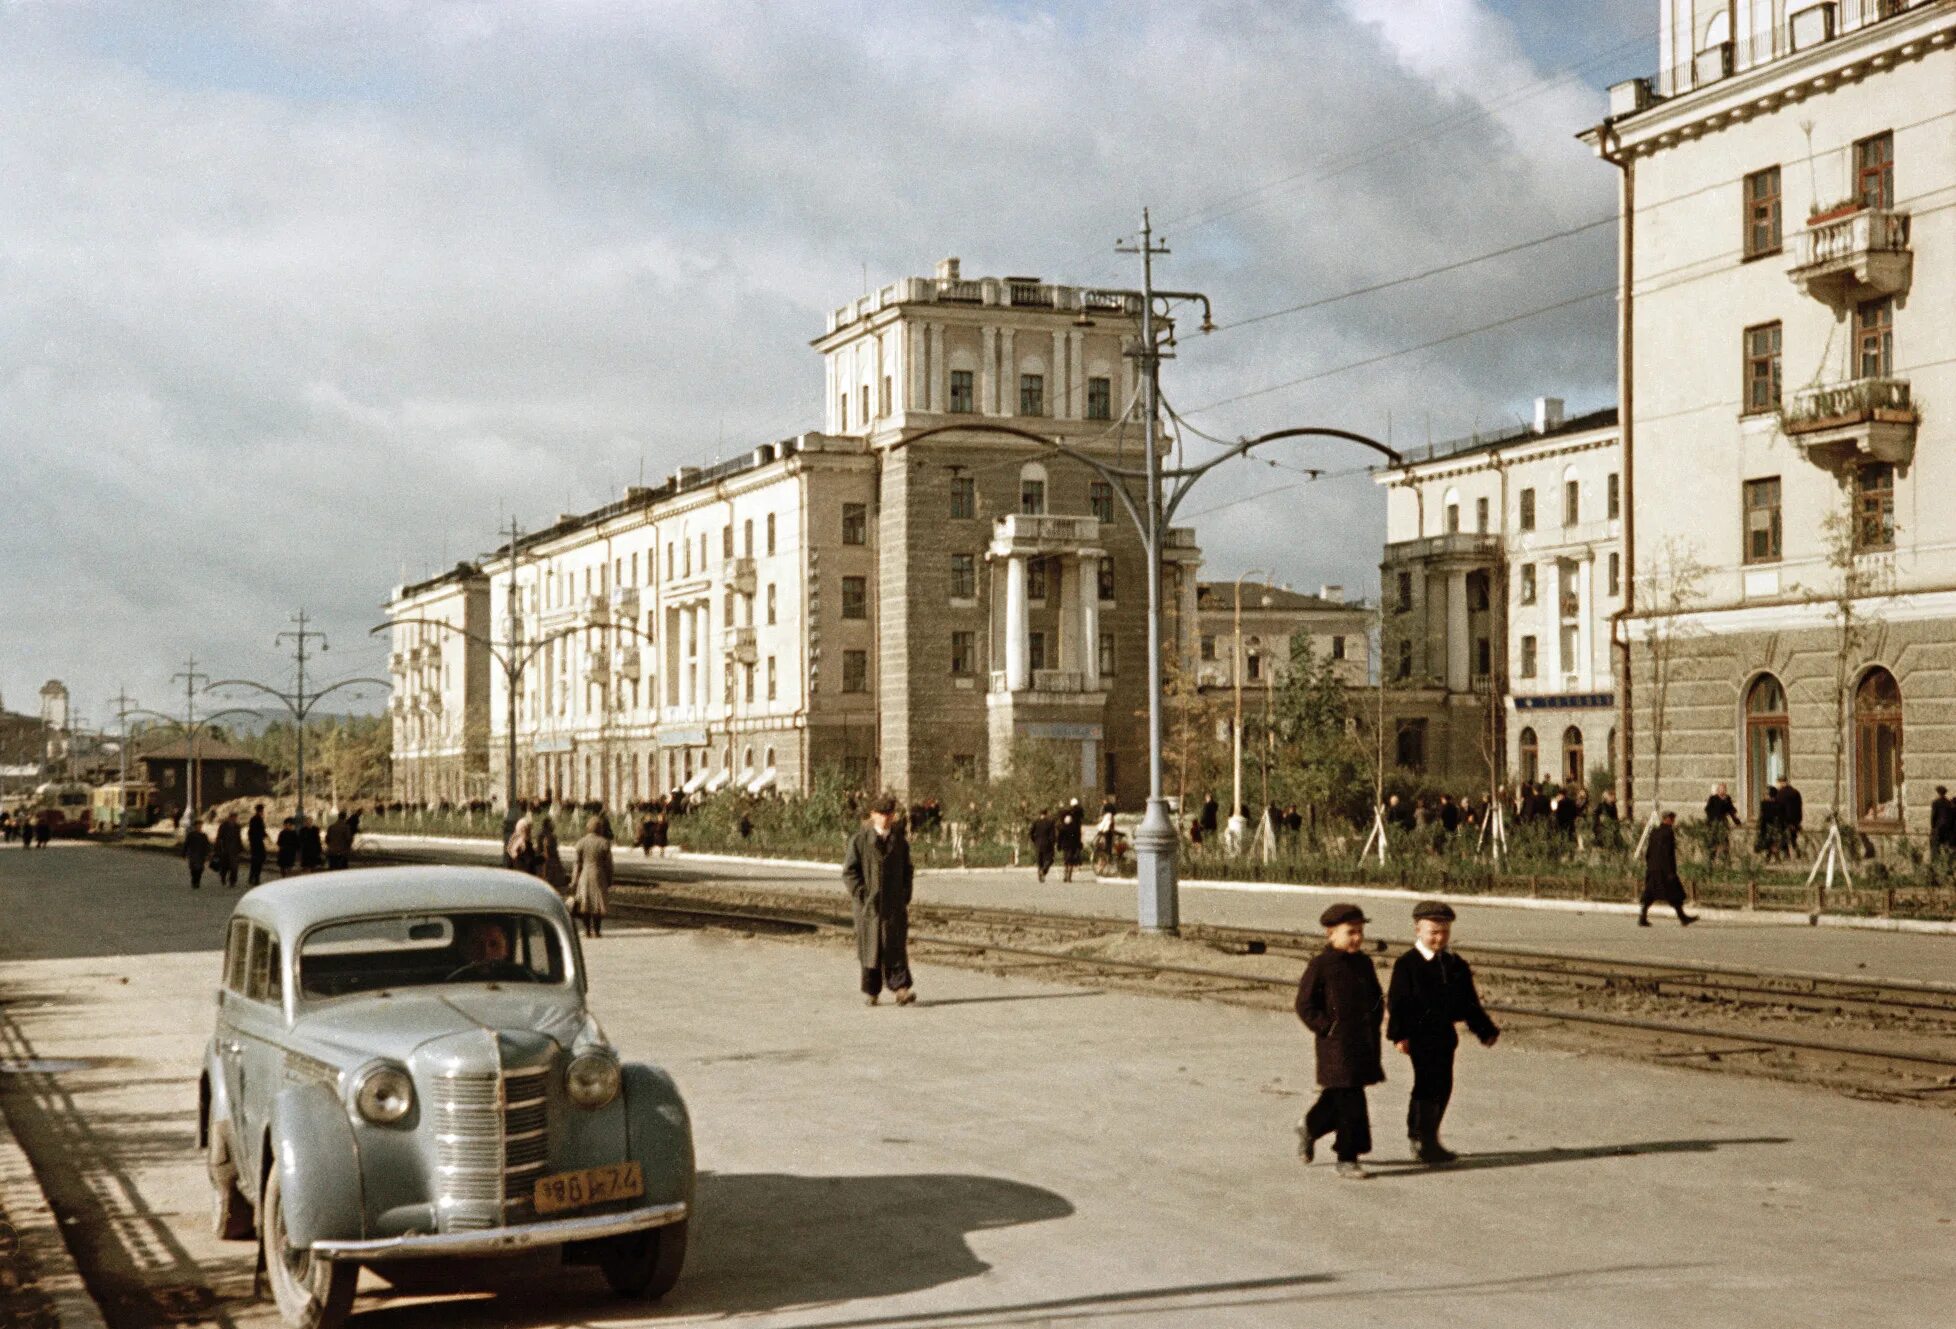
<point x="1662" y="885"/>
<point x="1432" y="990"/>
<point x="339" y="843"/>
<point x="1721" y="815"/>
<point x="288" y="846"/>
<point x="255" y="840"/>
<point x="1792" y="811"/>
<point x="1044" y="835"/>
<point x="1072" y="834"/>
<point x="1942" y="830"/>
<point x="196" y="850"/>
<point x="228" y="850"/>
<point x="311" y="856"/>
<point x="1339" y="1001"/>
<point x="591" y="880"/>
<point x="876" y="871"/>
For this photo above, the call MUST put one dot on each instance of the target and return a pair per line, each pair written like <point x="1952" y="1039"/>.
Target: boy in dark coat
<point x="1044" y="834"/>
<point x="1339" y="1000"/>
<point x="876" y="869"/>
<point x="1432" y="990"/>
<point x="1662" y="885"/>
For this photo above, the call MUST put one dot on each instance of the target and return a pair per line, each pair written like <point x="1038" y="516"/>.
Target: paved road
<point x="1014" y="1153"/>
<point x="1718" y="939"/>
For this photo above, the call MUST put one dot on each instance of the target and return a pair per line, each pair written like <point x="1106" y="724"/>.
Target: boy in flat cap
<point x="1432" y="991"/>
<point x="1339" y="1000"/>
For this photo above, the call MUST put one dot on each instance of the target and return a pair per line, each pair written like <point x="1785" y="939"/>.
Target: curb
<point x="38" y="1232"/>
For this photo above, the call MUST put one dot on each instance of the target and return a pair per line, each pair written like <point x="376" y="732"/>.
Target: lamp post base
<point x="1157" y="907"/>
<point x="1234" y="832"/>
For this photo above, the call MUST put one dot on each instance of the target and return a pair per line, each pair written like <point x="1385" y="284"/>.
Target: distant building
<point x="223" y="772"/>
<point x="1339" y="631"/>
<point x="1502" y="569"/>
<point x="440" y="701"/>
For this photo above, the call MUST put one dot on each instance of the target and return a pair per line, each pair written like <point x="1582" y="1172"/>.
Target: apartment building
<point x="439" y="702"/>
<point x="1503" y="566"/>
<point x="1339" y="630"/>
<point x="1789" y="335"/>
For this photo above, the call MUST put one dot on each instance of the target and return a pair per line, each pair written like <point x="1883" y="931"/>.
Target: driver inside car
<point x="485" y="947"/>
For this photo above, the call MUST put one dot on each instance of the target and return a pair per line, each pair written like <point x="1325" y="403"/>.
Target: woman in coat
<point x="521" y="849"/>
<point x="549" y="860"/>
<point x="591" y="878"/>
<point x="1662" y="885"/>
<point x="196" y="851"/>
<point x="228" y="849"/>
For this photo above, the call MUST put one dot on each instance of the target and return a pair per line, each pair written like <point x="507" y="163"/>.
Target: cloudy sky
<point x="298" y="299"/>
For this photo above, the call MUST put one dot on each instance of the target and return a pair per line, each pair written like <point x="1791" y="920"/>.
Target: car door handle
<point x="233" y="1048"/>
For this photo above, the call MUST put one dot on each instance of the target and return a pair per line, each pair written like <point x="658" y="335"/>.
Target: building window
<point x="1253" y="666"/>
<point x="1762" y="528"/>
<point x="748" y="692"/>
<point x="1874" y="171"/>
<point x="964" y="653"/>
<point x="1405" y="658"/>
<point x="1878" y="750"/>
<point x="1874" y="337"/>
<point x="855" y="523"/>
<point x="1528" y="509"/>
<point x="1405" y="588"/>
<point x="1409" y="745"/>
<point x="1616" y="573"/>
<point x="1615" y="496"/>
<point x="883" y="404"/>
<point x="1483" y="656"/>
<point x="1480" y="515"/>
<point x="1874" y="507"/>
<point x="728" y="619"/>
<point x="1036" y="579"/>
<point x="1762" y="212"/>
<point x="1453" y="519"/>
<point x="746" y="539"/>
<point x="964" y="766"/>
<point x="863" y="395"/>
<point x="1528" y="657"/>
<point x="1106" y="579"/>
<point x="1100" y="500"/>
<point x="1208" y="647"/>
<point x="772" y="677"/>
<point x="770" y="604"/>
<point x="1531" y="757"/>
<point x="726" y="541"/>
<point x="842" y="413"/>
<point x="961" y="393"/>
<point x="1572" y="767"/>
<point x="855" y="671"/>
<point x="770" y="533"/>
<point x="1106" y="656"/>
<point x="1337" y="648"/>
<point x="1767" y="736"/>
<point x="1100" y="399"/>
<point x="964" y="577"/>
<point x="855" y="597"/>
<point x="1527" y="593"/>
<point x="1762" y="368"/>
<point x="1571" y="502"/>
<point x="1036" y="649"/>
<point x="1032" y="496"/>
<point x="964" y="496"/>
<point x="1032" y="394"/>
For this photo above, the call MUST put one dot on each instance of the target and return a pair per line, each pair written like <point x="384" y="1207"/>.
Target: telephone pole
<point x="123" y="703"/>
<point x="189" y="677"/>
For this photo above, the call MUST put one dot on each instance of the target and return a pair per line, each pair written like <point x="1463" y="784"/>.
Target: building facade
<point x="1503" y="568"/>
<point x="902" y="599"/>
<point x="1271" y="616"/>
<point x="440" y="698"/>
<point x="1789" y="316"/>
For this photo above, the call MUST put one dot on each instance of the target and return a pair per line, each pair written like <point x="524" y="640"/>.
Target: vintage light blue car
<point x="404" y="1068"/>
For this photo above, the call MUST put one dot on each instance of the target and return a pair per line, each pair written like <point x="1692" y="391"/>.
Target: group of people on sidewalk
<point x="32" y="829"/>
<point x="1062" y="835"/>
<point x="222" y="845"/>
<point x="532" y="847"/>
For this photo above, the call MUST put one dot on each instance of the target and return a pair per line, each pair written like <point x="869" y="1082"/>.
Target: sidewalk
<point x="39" y="1284"/>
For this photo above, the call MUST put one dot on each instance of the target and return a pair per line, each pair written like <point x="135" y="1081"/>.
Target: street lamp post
<point x="1238" y="823"/>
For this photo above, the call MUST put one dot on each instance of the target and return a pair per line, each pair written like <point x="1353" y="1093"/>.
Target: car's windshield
<point x="416" y="950"/>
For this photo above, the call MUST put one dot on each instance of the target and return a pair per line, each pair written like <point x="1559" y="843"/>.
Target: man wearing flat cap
<point x="1432" y="990"/>
<point x="1339" y="1001"/>
<point x="876" y="869"/>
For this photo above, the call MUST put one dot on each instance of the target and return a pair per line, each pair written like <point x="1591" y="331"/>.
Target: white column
<point x="710" y="683"/>
<point x="1017" y="647"/>
<point x="916" y="356"/>
<point x="1059" y="393"/>
<point x="1585" y="648"/>
<point x="689" y="672"/>
<point x="1457" y="645"/>
<point x="1090" y="618"/>
<point x="988" y="371"/>
<point x="1556" y="664"/>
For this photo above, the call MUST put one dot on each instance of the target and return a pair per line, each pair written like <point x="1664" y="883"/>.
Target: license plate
<point x="588" y="1186"/>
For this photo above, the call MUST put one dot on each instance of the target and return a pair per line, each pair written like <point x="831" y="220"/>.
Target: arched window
<point x="1451" y="504"/>
<point x="1032" y="489"/>
<point x="1531" y="757"/>
<point x="1765" y="736"/>
<point x="1878" y="750"/>
<point x="1572" y="767"/>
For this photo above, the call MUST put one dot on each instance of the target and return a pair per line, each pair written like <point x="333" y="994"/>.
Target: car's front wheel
<point x="645" y="1264"/>
<point x="311" y="1292"/>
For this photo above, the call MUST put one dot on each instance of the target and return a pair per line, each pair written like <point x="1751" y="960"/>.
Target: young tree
<point x="1847" y="540"/>
<point x="1320" y="763"/>
<point x="1671" y="587"/>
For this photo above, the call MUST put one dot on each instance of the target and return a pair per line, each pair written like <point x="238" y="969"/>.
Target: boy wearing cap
<point x="1339" y="1001"/>
<point x="1432" y="991"/>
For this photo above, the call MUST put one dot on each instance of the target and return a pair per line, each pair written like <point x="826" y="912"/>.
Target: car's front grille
<point x="492" y="1141"/>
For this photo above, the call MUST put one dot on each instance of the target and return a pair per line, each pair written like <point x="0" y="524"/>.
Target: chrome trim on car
<point x="501" y="1241"/>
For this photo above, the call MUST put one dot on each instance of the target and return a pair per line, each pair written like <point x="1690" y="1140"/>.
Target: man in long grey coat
<point x="877" y="872"/>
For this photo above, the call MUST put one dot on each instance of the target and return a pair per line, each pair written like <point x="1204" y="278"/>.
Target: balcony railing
<point x="596" y="609"/>
<point x="628" y="663"/>
<point x="624" y="601"/>
<point x="740" y="574"/>
<point x="1018" y="528"/>
<point x="597" y="664"/>
<point x="1453" y="544"/>
<point x="741" y="644"/>
<point x="1854" y="257"/>
<point x="1872" y="417"/>
<point x="1060" y="681"/>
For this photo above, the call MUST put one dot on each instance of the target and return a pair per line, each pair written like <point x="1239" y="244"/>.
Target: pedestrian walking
<point x="645" y="833"/>
<point x="550" y="857"/>
<point x="196" y="852"/>
<point x="1721" y="815"/>
<point x="1072" y="837"/>
<point x="876" y="870"/>
<point x="1432" y="990"/>
<point x="288" y="846"/>
<point x="1662" y="885"/>
<point x="1769" y="842"/>
<point x="591" y="879"/>
<point x="1605" y="825"/>
<point x="227" y="849"/>
<point x="339" y="843"/>
<point x="44" y="828"/>
<point x="1209" y="814"/>
<point x="1942" y="829"/>
<point x="1104" y="837"/>
<point x="1340" y="1002"/>
<point x="1792" y="812"/>
<point x="1044" y="834"/>
<point x="312" y="854"/>
<point x="256" y="838"/>
<point x="520" y="851"/>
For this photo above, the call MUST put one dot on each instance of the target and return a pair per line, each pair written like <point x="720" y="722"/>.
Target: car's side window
<point x="258" y="974"/>
<point x="235" y="951"/>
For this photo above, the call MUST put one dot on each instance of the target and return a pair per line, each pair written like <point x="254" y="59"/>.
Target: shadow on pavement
<point x="923" y="1002"/>
<point x="1388" y="1170"/>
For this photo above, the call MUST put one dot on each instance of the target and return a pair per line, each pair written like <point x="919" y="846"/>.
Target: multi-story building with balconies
<point x="1339" y="630"/>
<point x="903" y="598"/>
<point x="440" y="697"/>
<point x="1502" y="570"/>
<point x="1788" y="348"/>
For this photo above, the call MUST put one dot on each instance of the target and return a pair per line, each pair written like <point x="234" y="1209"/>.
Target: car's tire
<point x="645" y="1264"/>
<point x="231" y="1216"/>
<point x="311" y="1293"/>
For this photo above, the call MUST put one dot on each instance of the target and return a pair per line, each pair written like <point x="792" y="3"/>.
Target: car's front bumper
<point x="503" y="1240"/>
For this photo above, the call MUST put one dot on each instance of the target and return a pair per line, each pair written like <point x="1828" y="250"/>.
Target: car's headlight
<point x="384" y="1094"/>
<point x="592" y="1079"/>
